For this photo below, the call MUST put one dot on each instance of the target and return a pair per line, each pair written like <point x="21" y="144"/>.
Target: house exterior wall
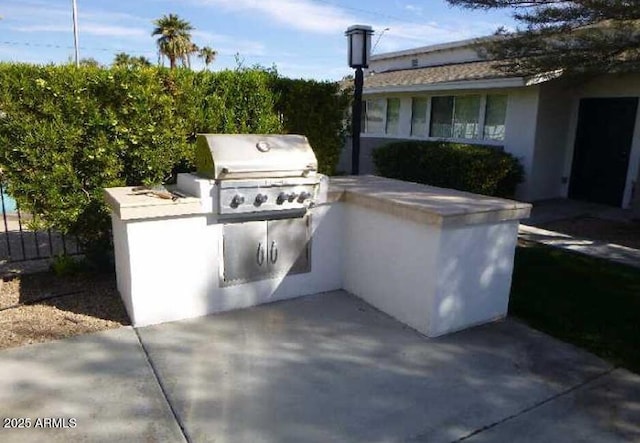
<point x="520" y="127"/>
<point x="541" y="120"/>
<point x="548" y="178"/>
<point x="367" y="146"/>
<point x="520" y="130"/>
<point x="609" y="86"/>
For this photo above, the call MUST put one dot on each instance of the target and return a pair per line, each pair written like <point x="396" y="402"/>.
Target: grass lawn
<point x="589" y="302"/>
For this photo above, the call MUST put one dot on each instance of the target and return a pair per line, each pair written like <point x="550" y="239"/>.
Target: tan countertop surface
<point x="129" y="206"/>
<point x="424" y="204"/>
<point x="420" y="203"/>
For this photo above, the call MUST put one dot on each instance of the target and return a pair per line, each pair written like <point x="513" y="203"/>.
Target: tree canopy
<point x="208" y="55"/>
<point x="122" y="59"/>
<point x="174" y="38"/>
<point x="577" y="37"/>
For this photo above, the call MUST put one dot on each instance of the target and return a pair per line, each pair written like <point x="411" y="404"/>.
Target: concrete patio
<point x="320" y="368"/>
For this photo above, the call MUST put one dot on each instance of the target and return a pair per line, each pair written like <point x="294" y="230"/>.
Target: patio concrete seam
<point x="158" y="380"/>
<point x="536" y="405"/>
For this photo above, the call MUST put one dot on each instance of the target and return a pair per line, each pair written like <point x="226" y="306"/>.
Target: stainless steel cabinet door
<point x="245" y="251"/>
<point x="288" y="245"/>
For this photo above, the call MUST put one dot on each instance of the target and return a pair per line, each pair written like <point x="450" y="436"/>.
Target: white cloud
<point x="312" y="70"/>
<point x="310" y="16"/>
<point x="408" y="35"/>
<point x="87" y="28"/>
<point x="112" y="30"/>
<point x="228" y="44"/>
<point x="414" y="9"/>
<point x="41" y="28"/>
<point x="304" y="15"/>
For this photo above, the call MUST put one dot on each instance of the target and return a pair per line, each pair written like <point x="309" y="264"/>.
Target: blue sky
<point x="302" y="38"/>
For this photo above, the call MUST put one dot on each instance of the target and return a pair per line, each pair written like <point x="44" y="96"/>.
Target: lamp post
<point x="359" y="50"/>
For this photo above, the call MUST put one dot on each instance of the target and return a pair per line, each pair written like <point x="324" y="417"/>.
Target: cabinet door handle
<point x="273" y="253"/>
<point x="260" y="255"/>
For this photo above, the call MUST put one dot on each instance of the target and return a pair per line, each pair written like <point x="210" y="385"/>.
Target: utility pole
<point x="75" y="32"/>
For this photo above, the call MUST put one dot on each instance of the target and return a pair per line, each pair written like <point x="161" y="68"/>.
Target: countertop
<point x="128" y="205"/>
<point x="422" y="203"/>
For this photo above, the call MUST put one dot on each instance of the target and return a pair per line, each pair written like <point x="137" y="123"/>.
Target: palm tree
<point x="89" y="61"/>
<point x="186" y="58"/>
<point x="124" y="60"/>
<point x="174" y="41"/>
<point x="141" y="61"/>
<point x="208" y="55"/>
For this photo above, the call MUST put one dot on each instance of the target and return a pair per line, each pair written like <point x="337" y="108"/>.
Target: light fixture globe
<point x="359" y="45"/>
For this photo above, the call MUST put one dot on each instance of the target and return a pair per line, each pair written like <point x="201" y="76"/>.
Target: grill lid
<point x="228" y="156"/>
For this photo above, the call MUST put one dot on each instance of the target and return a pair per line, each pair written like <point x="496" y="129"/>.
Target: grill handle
<point x="273" y="252"/>
<point x="260" y="255"/>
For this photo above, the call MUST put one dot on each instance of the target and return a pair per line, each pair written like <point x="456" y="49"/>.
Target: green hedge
<point x="317" y="110"/>
<point x="66" y="133"/>
<point x="473" y="168"/>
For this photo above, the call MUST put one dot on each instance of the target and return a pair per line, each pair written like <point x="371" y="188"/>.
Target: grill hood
<point x="233" y="156"/>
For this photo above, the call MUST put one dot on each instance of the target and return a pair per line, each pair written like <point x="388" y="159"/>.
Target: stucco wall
<point x="522" y="112"/>
<point x="552" y="134"/>
<point x="367" y="145"/>
<point x="520" y="134"/>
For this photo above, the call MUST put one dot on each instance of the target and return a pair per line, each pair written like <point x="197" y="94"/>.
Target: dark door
<point x="602" y="148"/>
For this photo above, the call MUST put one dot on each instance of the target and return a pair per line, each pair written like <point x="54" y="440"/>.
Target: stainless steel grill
<point x="264" y="187"/>
<point x="259" y="174"/>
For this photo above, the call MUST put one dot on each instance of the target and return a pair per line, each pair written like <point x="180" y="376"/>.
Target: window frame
<point x="484" y="115"/>
<point x="481" y="120"/>
<point x="385" y="99"/>
<point x="384" y="116"/>
<point x="427" y="117"/>
<point x="429" y="110"/>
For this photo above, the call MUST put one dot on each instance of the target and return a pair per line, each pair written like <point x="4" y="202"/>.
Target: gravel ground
<point x="92" y="304"/>
<point x="618" y="232"/>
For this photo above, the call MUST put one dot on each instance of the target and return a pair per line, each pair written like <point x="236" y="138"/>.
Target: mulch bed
<point x="610" y="231"/>
<point x="73" y="305"/>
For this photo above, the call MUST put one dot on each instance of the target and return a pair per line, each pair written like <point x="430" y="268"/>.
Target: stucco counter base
<point x="436" y="259"/>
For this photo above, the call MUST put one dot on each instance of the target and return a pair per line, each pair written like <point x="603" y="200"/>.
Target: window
<point x="374" y="116"/>
<point x="455" y="117"/>
<point x="393" y="116"/>
<point x="466" y="116"/>
<point x="463" y="117"/>
<point x="495" y="116"/>
<point x="441" y="117"/>
<point x="382" y="116"/>
<point x="419" y="117"/>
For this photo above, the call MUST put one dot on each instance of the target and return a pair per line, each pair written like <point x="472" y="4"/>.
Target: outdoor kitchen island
<point x="436" y="259"/>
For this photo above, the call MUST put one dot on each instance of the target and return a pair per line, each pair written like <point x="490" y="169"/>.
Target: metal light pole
<point x="75" y="31"/>
<point x="359" y="50"/>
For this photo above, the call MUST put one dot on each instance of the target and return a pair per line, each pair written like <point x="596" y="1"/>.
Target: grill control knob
<point x="283" y="197"/>
<point x="303" y="196"/>
<point x="292" y="197"/>
<point x="237" y="200"/>
<point x="260" y="199"/>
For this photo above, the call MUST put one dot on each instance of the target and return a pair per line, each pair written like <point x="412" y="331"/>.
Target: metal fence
<point x="19" y="243"/>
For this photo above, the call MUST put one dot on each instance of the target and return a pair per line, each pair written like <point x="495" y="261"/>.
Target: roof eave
<point x="491" y="83"/>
